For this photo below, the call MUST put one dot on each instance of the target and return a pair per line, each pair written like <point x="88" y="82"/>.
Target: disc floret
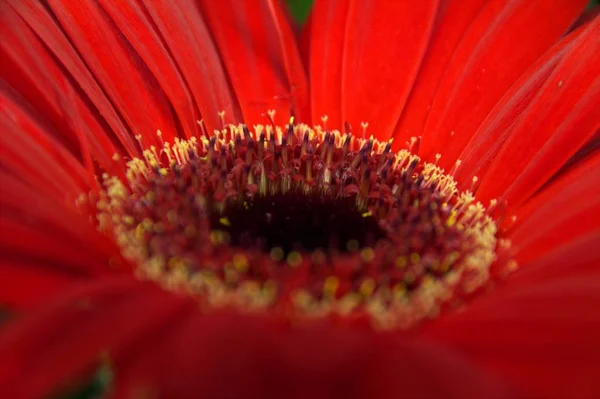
<point x="301" y="219"/>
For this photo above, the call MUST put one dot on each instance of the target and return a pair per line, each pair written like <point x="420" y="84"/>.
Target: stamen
<point x="305" y="220"/>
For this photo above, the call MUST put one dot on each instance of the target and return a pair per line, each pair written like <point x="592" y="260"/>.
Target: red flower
<point x="290" y="261"/>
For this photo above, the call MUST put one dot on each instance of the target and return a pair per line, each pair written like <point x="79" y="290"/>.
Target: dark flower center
<point x="310" y="221"/>
<point x="293" y="221"/>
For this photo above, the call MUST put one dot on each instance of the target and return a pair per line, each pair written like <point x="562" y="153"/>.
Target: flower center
<point x="295" y="221"/>
<point x="300" y="220"/>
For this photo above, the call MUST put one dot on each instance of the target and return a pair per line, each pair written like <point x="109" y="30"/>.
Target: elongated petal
<point x="25" y="286"/>
<point x="188" y="56"/>
<point x="139" y="30"/>
<point x="45" y="239"/>
<point x="292" y="61"/>
<point x="38" y="226"/>
<point x="34" y="150"/>
<point x="544" y="338"/>
<point x="541" y="328"/>
<point x="567" y="210"/>
<point x="589" y="149"/>
<point x="521" y="167"/>
<point x="316" y="361"/>
<point x="118" y="68"/>
<point x="74" y="333"/>
<point x="326" y="38"/>
<point x="453" y="19"/>
<point x="385" y="42"/>
<point x="42" y="22"/>
<point x="29" y="69"/>
<point x="259" y="52"/>
<point x="498" y="47"/>
<point x="159" y="343"/>
<point x="504" y="117"/>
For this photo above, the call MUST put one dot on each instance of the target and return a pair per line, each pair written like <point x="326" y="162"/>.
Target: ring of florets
<point x="301" y="219"/>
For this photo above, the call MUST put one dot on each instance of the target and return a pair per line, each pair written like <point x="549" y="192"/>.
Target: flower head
<point x="399" y="201"/>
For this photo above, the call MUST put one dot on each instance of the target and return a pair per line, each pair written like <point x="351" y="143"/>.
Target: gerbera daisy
<point x="399" y="201"/>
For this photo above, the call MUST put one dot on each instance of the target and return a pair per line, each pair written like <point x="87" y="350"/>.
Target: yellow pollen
<point x="294" y="258"/>
<point x="352" y="245"/>
<point x="331" y="285"/>
<point x="367" y="254"/>
<point x="240" y="262"/>
<point x="367" y="287"/>
<point x="418" y="283"/>
<point x="401" y="262"/>
<point x="277" y="254"/>
<point x="225" y="221"/>
<point x="415" y="258"/>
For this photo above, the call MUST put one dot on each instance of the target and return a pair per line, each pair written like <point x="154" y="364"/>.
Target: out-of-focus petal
<point x="550" y="132"/>
<point x="543" y="336"/>
<point x="384" y="45"/>
<point x="268" y="360"/>
<point x="54" y="348"/>
<point x="258" y="49"/>
<point x="160" y="344"/>
<point x="25" y="285"/>
<point x="540" y="328"/>
<point x="500" y="44"/>
<point x="41" y="228"/>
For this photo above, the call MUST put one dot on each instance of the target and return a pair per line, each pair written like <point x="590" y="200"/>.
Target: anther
<point x="306" y="221"/>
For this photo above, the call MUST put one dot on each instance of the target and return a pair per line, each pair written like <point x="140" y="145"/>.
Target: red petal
<point x="549" y="133"/>
<point x="545" y="338"/>
<point x="47" y="30"/>
<point x="44" y="352"/>
<point x="385" y="42"/>
<point x="64" y="234"/>
<point x="118" y="68"/>
<point x="304" y="42"/>
<point x="35" y="154"/>
<point x="578" y="256"/>
<point x="502" y="42"/>
<point x="565" y="211"/>
<point x="139" y="30"/>
<point x="160" y="344"/>
<point x="326" y="37"/>
<point x="258" y="50"/>
<point x="270" y="360"/>
<point x="292" y="61"/>
<point x="497" y="126"/>
<point x="40" y="223"/>
<point x="187" y="65"/>
<point x="24" y="286"/>
<point x="589" y="149"/>
<point x="52" y="248"/>
<point x="30" y="70"/>
<point x="453" y="19"/>
<point x="541" y="328"/>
